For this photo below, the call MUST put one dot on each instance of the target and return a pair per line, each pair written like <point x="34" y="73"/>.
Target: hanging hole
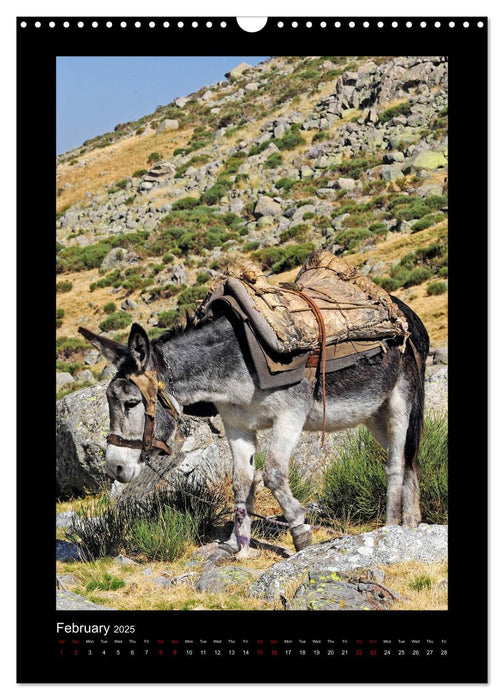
<point x="252" y="24"/>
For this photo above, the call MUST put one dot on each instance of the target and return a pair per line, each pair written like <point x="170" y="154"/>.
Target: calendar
<point x="266" y="449"/>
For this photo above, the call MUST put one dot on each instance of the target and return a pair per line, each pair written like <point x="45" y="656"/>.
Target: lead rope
<point x="322" y="340"/>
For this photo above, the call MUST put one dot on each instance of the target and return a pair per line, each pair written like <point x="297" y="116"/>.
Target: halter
<point x="152" y="390"/>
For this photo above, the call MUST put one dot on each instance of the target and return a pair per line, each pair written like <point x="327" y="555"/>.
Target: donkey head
<point x="142" y="417"/>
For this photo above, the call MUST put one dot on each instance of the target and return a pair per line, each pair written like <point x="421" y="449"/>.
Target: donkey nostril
<point x="119" y="469"/>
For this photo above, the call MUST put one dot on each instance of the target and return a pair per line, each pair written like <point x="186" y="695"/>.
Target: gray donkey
<point x="208" y="362"/>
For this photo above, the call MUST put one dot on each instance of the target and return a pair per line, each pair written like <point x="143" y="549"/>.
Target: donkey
<point x="209" y="362"/>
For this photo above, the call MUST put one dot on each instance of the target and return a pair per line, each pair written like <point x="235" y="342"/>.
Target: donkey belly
<point x="342" y="413"/>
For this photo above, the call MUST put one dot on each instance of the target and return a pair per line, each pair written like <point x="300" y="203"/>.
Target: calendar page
<point x="265" y="245"/>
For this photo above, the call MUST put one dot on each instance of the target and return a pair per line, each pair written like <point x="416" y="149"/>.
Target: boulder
<point x="238" y="70"/>
<point x="266" y="206"/>
<point x="181" y="101"/>
<point x="328" y="591"/>
<point x="114" y="259"/>
<point x="62" y="379"/>
<point x="167" y="125"/>
<point x="218" y="579"/>
<point x="428" y="543"/>
<point x="429" y="160"/>
<point x="82" y="421"/>
<point x="389" y="173"/>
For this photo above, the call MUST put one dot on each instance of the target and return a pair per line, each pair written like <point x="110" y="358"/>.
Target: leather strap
<point x="322" y="340"/>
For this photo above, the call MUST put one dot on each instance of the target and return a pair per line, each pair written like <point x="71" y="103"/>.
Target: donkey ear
<point x="139" y="346"/>
<point x="114" y="352"/>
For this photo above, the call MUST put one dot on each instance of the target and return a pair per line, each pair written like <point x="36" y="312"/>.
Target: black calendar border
<point x="465" y="622"/>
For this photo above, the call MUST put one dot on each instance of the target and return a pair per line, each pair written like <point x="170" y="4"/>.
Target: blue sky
<point x="94" y="93"/>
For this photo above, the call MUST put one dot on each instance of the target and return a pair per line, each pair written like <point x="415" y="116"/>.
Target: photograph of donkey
<point x="208" y="362"/>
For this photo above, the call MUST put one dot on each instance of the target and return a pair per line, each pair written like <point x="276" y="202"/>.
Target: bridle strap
<point x="151" y="390"/>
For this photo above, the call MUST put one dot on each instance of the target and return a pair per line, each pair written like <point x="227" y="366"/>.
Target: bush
<point x="403" y="108"/>
<point x="427" y="221"/>
<point x="203" y="277"/>
<point x="192" y="295"/>
<point x="185" y="203"/>
<point x="110" y="307"/>
<point x="285" y="183"/>
<point x="214" y="193"/>
<point x="351" y="237"/>
<point x="167" y="319"/>
<point x="165" y="538"/>
<point x="259" y="148"/>
<point x="274" y="160"/>
<point x="76" y="259"/>
<point x="154" y="157"/>
<point x="321" y="136"/>
<point x="291" y="138"/>
<point x="435" y="288"/>
<point x="417" y="276"/>
<point x="63" y="286"/>
<point x="168" y="258"/>
<point x="115" y="321"/>
<point x="282" y="259"/>
<point x="354" y="486"/>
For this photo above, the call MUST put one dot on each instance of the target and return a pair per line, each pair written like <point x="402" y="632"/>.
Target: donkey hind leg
<point x="284" y="437"/>
<point x="399" y="407"/>
<point x="243" y="447"/>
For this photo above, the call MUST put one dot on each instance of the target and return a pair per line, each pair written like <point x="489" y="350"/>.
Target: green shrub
<point x="290" y="140"/>
<point x="76" y="259"/>
<point x="214" y="193"/>
<point x="321" y="136"/>
<point x="274" y="160"/>
<point x="427" y="221"/>
<point x="403" y="108"/>
<point x="192" y="295"/>
<point x="417" y="276"/>
<point x="165" y="538"/>
<point x="203" y="277"/>
<point x="285" y="183"/>
<point x="351" y="237"/>
<point x="67" y="346"/>
<point x="282" y="259"/>
<point x="167" y="319"/>
<point x="110" y="307"/>
<point x="435" y="288"/>
<point x="185" y="203"/>
<point x="115" y="321"/>
<point x="250" y="245"/>
<point x="258" y="148"/>
<point x="168" y="258"/>
<point x="154" y="157"/>
<point x="63" y="286"/>
<point x="354" y="486"/>
<point x="421" y="582"/>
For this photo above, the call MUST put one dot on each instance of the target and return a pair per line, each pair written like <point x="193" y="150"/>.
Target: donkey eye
<point x="131" y="403"/>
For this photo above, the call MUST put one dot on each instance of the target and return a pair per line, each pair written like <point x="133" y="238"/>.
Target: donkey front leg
<point x="285" y="435"/>
<point x="243" y="447"/>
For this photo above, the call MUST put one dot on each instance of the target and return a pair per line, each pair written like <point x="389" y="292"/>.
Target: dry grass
<point x="406" y="577"/>
<point x="117" y="161"/>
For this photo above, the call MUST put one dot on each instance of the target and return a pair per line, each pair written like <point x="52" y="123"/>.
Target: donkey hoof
<point x="301" y="536"/>
<point x="246" y="553"/>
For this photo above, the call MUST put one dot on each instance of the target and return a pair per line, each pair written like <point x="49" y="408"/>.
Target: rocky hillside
<point x="345" y="153"/>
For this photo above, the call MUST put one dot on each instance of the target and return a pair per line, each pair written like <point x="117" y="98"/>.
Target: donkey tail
<point x="420" y="340"/>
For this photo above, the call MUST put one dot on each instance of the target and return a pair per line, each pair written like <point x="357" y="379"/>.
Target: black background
<point x="464" y="625"/>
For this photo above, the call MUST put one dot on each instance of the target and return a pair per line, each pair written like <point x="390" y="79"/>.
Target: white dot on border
<point x="23" y="25"/>
<point x="394" y="24"/>
<point x="351" y="25"/>
<point x="280" y="25"/>
<point x="180" y="25"/>
<point x="423" y="24"/>
<point x="365" y="25"/>
<point x="294" y="25"/>
<point x="309" y="25"/>
<point x="466" y="24"/>
<point x="409" y="24"/>
<point x="152" y="25"/>
<point x="53" y="24"/>
<point x="94" y="25"/>
<point x="337" y="25"/>
<point x="380" y="24"/>
<point x="124" y="24"/>
<point x="223" y="25"/>
<point x="209" y="24"/>
<point x="451" y="24"/>
<point x="79" y="24"/>
<point x="166" y="25"/>
<point x="37" y="25"/>
<point x="138" y="25"/>
<point x="109" y="25"/>
<point x="481" y="25"/>
<point x="194" y="24"/>
<point x="437" y="24"/>
<point x="323" y="25"/>
<point x="66" y="24"/>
